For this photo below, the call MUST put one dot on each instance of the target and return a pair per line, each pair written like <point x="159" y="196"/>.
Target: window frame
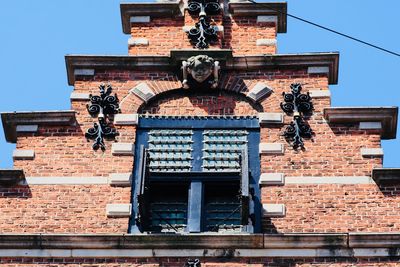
<point x="199" y="123"/>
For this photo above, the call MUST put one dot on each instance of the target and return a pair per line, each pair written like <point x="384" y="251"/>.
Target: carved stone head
<point x="200" y="67"/>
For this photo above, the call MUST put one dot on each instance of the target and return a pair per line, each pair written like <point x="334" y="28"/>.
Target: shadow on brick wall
<point x="268" y="227"/>
<point x="19" y="191"/>
<point x="390" y="190"/>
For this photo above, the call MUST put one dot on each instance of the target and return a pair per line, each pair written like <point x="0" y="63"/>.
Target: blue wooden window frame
<point x="196" y="177"/>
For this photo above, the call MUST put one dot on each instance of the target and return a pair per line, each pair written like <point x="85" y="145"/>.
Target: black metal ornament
<point x="102" y="106"/>
<point x="193" y="263"/>
<point x="203" y="33"/>
<point x="296" y="102"/>
<point x="99" y="132"/>
<point x="105" y="103"/>
<point x="298" y="105"/>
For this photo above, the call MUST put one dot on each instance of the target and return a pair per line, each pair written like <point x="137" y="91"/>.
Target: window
<point x="194" y="175"/>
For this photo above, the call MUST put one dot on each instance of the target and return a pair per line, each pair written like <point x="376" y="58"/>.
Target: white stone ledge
<point x="138" y="41"/>
<point x="140" y="19"/>
<point x="118" y="210"/>
<point x="329" y="180"/>
<point x="370" y="125"/>
<point x="126" y="119"/>
<point x="320" y="93"/>
<point x="23" y="154"/>
<point x="318" y="70"/>
<point x="272" y="179"/>
<point x="273" y="210"/>
<point x="270" y="118"/>
<point x="120" y="179"/>
<point x="267" y="19"/>
<point x="79" y="96"/>
<point x="84" y="72"/>
<point x="151" y="253"/>
<point x="371" y="152"/>
<point x="27" y="128"/>
<point x="266" y="42"/>
<point x="143" y="91"/>
<point x="64" y="180"/>
<point x="122" y="148"/>
<point x="265" y="179"/>
<point x="271" y="148"/>
<point x="259" y="91"/>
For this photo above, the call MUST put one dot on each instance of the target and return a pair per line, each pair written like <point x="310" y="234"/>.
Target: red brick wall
<point x="333" y="208"/>
<point x="163" y="35"/>
<point x="216" y="104"/>
<point x="61" y="209"/>
<point x="333" y="151"/>
<point x="240" y="34"/>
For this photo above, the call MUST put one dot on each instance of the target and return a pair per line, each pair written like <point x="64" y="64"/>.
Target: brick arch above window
<point x="145" y="93"/>
<point x="207" y="103"/>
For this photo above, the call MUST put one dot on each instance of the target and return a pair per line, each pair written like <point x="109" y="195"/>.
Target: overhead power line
<point x="330" y="30"/>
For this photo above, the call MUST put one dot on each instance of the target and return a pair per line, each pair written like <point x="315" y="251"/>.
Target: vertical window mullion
<point x="195" y="207"/>
<point x="197" y="150"/>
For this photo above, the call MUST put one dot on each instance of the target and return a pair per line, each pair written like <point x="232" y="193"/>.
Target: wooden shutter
<point x="142" y="191"/>
<point x="244" y="186"/>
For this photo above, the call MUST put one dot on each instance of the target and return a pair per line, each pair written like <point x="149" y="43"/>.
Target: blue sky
<point x="35" y="36"/>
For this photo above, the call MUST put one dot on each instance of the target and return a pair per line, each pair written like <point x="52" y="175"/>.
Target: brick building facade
<point x="248" y="167"/>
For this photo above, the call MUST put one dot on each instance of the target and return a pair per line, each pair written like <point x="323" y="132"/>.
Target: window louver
<point x="170" y="150"/>
<point x="222" y="148"/>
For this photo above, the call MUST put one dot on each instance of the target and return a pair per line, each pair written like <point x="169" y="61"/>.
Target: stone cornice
<point x="386" y="115"/>
<point x="163" y="9"/>
<point x="241" y="63"/>
<point x="335" y="242"/>
<point x="269" y="61"/>
<point x="386" y="176"/>
<point x="247" y="9"/>
<point x="11" y="120"/>
<point x="74" y="62"/>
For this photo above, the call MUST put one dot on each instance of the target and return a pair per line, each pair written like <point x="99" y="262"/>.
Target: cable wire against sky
<point x="330" y="30"/>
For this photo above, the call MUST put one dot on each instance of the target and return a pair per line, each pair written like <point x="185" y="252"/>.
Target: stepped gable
<point x="202" y="146"/>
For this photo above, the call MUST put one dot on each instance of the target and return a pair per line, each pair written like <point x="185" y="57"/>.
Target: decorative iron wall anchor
<point x="298" y="105"/>
<point x="105" y="104"/>
<point x="193" y="263"/>
<point x="199" y="71"/>
<point x="101" y="107"/>
<point x="203" y="33"/>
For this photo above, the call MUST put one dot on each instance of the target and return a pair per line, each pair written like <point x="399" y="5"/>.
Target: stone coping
<point x="10" y="120"/>
<point x="201" y="241"/>
<point x="160" y="9"/>
<point x="240" y="63"/>
<point x="386" y="176"/>
<point x="11" y="177"/>
<point x="386" y="115"/>
<point x="247" y="9"/>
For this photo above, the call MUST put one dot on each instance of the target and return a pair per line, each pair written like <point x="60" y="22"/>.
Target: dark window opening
<point x="222" y="206"/>
<point x="168" y="206"/>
